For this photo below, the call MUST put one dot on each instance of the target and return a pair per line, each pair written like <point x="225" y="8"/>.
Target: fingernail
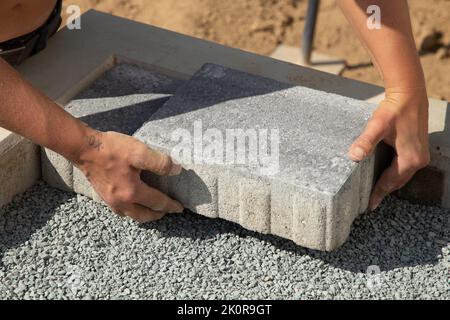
<point x="375" y="204"/>
<point x="175" y="170"/>
<point x="357" y="153"/>
<point x="178" y="208"/>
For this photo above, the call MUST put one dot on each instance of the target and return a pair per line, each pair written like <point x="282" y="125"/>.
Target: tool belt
<point x="16" y="50"/>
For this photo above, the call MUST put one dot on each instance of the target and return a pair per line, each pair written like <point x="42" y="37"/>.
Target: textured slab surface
<point x="317" y="191"/>
<point x="120" y="100"/>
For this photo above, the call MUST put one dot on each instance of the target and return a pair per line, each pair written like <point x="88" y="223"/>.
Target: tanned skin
<point x="19" y="17"/>
<point x="401" y="119"/>
<point x="112" y="162"/>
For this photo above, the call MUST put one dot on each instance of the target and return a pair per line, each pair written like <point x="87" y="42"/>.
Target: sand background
<point x="260" y="25"/>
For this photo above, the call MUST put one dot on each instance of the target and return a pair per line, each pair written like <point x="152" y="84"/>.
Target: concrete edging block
<point x="57" y="171"/>
<point x="19" y="167"/>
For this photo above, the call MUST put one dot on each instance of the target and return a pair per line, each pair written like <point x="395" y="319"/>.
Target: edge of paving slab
<point x="104" y="39"/>
<point x="321" y="62"/>
<point x="20" y="165"/>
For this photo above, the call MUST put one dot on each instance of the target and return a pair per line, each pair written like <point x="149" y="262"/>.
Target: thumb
<point x="363" y="146"/>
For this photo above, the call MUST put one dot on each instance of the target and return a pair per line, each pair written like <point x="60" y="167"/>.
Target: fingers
<point x="156" y="200"/>
<point x="396" y="176"/>
<point x="118" y="212"/>
<point x="145" y="158"/>
<point x="115" y="175"/>
<point x="142" y="214"/>
<point x="143" y="203"/>
<point x="367" y="141"/>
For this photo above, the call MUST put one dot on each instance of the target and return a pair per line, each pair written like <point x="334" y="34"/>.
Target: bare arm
<point x="111" y="161"/>
<point x="401" y="120"/>
<point x="27" y="112"/>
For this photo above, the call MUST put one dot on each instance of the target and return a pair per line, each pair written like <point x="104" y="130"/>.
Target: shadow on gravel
<point x="20" y="219"/>
<point x="397" y="235"/>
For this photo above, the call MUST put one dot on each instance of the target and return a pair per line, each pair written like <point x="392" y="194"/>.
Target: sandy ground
<point x="260" y="25"/>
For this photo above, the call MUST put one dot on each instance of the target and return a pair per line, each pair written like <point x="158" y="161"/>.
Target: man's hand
<point x="112" y="162"/>
<point x="401" y="121"/>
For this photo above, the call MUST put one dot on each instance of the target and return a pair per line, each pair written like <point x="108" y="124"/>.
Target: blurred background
<point x="261" y="25"/>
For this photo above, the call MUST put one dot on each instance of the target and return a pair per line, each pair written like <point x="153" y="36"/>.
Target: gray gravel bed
<point x="60" y="245"/>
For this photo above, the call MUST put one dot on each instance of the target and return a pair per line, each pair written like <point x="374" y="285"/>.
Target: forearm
<point x="392" y="47"/>
<point x="29" y="113"/>
<point x="111" y="161"/>
<point x="401" y="119"/>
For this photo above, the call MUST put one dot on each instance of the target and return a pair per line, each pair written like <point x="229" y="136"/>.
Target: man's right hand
<point x="112" y="162"/>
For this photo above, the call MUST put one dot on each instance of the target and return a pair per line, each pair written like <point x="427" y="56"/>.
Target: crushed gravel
<point x="58" y="245"/>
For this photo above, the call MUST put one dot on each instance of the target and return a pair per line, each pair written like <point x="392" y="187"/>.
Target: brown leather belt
<point x="16" y="50"/>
